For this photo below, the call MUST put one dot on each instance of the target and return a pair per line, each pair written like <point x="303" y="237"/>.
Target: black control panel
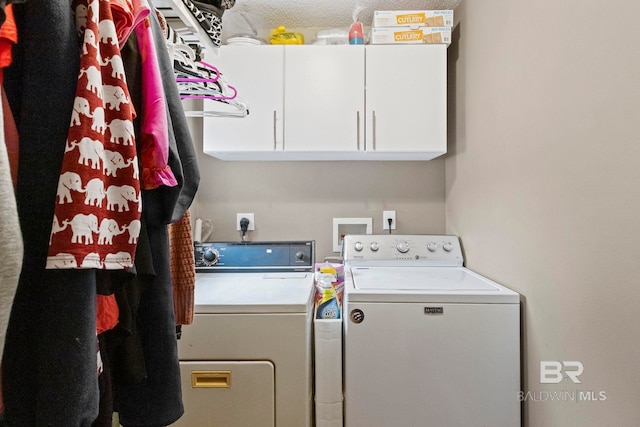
<point x="254" y="256"/>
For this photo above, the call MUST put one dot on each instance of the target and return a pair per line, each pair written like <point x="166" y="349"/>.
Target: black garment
<point x="157" y="399"/>
<point x="49" y="363"/>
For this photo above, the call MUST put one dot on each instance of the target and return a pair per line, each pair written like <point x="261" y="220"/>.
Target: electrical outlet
<point x="386" y="215"/>
<point x="249" y="216"/>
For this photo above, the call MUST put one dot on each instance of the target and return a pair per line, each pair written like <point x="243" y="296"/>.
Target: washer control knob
<point x="358" y="246"/>
<point x="432" y="246"/>
<point x="210" y="256"/>
<point x="300" y="255"/>
<point x="374" y="246"/>
<point x="403" y="246"/>
<point x="447" y="246"/>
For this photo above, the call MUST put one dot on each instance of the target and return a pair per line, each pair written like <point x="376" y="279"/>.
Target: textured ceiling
<point x="315" y="13"/>
<point x="260" y="16"/>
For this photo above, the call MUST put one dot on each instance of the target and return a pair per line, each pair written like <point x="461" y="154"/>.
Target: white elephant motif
<point x="113" y="96"/>
<point x="121" y="129"/>
<point x="62" y="260"/>
<point x="95" y="193"/>
<point x="117" y="67"/>
<point x="98" y="123"/>
<point x="89" y="40"/>
<point x="89" y="150"/>
<point x="118" y="260"/>
<point x="94" y="80"/>
<point x="68" y="181"/>
<point x="94" y="7"/>
<point x="83" y="227"/>
<point x="134" y="231"/>
<point x="112" y="162"/>
<point x="136" y="171"/>
<point x="109" y="228"/>
<point x="80" y="106"/>
<point x="107" y="31"/>
<point x="57" y="227"/>
<point x="92" y="260"/>
<point x="118" y="197"/>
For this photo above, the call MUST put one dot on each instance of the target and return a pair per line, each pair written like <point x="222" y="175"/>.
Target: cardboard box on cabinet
<point x="411" y="35"/>
<point x="422" y="18"/>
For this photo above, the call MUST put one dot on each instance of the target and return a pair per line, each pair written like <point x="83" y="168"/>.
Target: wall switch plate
<point x="386" y="215"/>
<point x="249" y="216"/>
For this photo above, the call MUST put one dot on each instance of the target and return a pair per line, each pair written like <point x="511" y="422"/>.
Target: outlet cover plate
<point x="250" y="217"/>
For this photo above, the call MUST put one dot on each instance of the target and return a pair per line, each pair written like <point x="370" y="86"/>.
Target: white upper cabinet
<point x="333" y="103"/>
<point x="406" y="101"/>
<point x="256" y="73"/>
<point x="323" y="98"/>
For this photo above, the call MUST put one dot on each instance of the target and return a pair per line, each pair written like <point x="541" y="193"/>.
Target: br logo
<point x="551" y="371"/>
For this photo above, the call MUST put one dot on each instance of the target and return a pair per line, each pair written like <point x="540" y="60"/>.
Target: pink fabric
<point x="127" y="14"/>
<point x="154" y="138"/>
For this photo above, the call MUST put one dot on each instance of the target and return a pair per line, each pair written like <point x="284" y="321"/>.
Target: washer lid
<point x="429" y="284"/>
<point x="253" y="292"/>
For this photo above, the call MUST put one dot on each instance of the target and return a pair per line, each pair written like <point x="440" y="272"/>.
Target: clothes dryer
<point x="247" y="358"/>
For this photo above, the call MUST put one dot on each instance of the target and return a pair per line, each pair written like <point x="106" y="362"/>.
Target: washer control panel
<point x="405" y="249"/>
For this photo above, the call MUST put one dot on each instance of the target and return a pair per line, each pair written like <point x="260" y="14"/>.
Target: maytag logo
<point x="433" y="310"/>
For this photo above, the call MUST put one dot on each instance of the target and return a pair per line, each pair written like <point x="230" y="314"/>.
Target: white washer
<point x="247" y="358"/>
<point x="426" y="341"/>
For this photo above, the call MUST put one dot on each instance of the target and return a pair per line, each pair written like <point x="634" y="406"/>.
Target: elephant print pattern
<point x="97" y="215"/>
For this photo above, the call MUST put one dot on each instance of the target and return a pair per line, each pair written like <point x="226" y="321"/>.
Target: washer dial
<point x="402" y="246"/>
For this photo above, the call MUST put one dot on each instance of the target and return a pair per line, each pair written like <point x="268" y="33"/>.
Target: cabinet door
<point x="324" y="98"/>
<point x="256" y="73"/>
<point x="406" y="99"/>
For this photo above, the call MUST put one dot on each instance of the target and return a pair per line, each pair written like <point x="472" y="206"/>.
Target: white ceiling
<point x="264" y="15"/>
<point x="315" y="13"/>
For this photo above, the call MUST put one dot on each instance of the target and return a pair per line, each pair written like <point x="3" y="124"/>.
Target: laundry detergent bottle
<point x="328" y="307"/>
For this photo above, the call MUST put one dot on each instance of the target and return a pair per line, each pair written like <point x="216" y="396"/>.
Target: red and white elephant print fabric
<point x="98" y="205"/>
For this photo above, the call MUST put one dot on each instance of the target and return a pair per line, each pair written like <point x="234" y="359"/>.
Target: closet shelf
<point x="187" y="26"/>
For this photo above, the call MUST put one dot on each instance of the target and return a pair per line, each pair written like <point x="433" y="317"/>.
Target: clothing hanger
<point x="197" y="79"/>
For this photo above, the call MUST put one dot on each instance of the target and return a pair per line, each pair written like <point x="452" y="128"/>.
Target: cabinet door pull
<point x="275" y="136"/>
<point x="373" y="116"/>
<point x="358" y="130"/>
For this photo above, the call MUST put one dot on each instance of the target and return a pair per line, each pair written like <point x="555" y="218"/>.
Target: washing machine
<point x="427" y="342"/>
<point x="246" y="360"/>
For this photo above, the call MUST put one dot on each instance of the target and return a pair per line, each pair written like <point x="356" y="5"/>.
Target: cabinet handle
<point x="275" y="137"/>
<point x="373" y="116"/>
<point x="358" y="130"/>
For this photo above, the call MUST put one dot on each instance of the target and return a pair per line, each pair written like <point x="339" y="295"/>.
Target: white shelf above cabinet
<point x="181" y="20"/>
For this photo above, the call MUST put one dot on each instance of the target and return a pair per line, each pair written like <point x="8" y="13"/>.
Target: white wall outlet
<point x="249" y="216"/>
<point x="386" y="215"/>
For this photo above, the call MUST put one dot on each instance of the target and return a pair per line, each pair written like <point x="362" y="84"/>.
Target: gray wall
<point x="542" y="185"/>
<point x="298" y="200"/>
